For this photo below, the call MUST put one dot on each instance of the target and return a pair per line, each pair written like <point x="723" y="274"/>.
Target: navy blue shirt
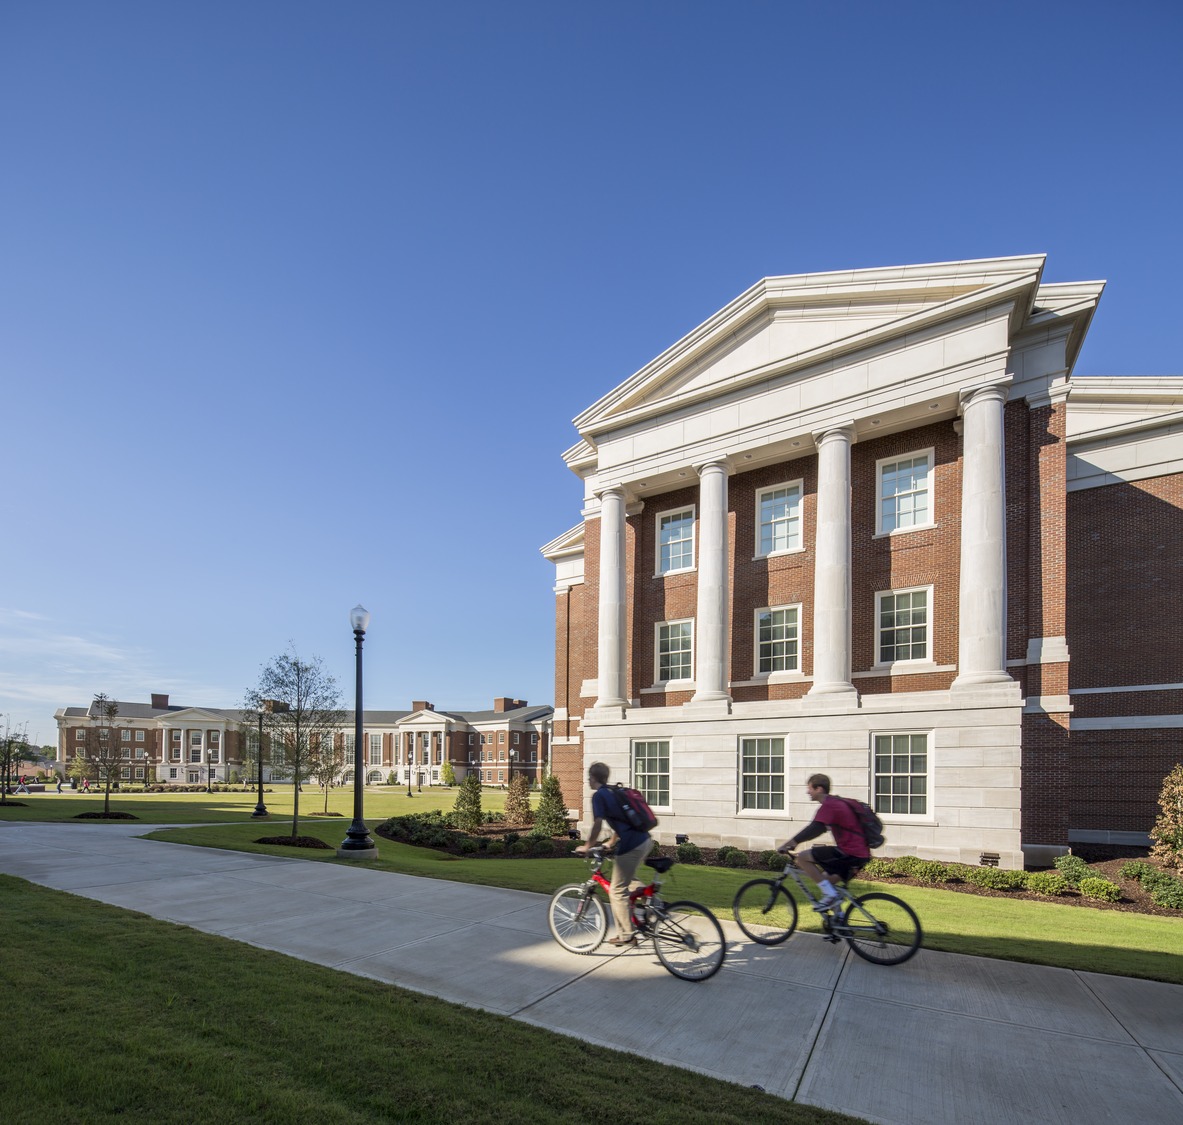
<point x="606" y="806"/>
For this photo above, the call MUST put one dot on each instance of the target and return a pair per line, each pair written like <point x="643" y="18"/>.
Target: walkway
<point x="942" y="1038"/>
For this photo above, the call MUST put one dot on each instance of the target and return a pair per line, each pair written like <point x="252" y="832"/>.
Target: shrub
<point x="493" y="817"/>
<point x="689" y="853"/>
<point x="468" y="845"/>
<point x="1136" y="869"/>
<point x="520" y="847"/>
<point x="517" y="801"/>
<point x="995" y="878"/>
<point x="447" y="775"/>
<point x="1046" y="882"/>
<point x="878" y="868"/>
<point x="550" y="816"/>
<point x="1169" y="894"/>
<point x="1167" y="832"/>
<point x="774" y="861"/>
<point x="495" y="847"/>
<point x="542" y="845"/>
<point x="906" y="864"/>
<point x="512" y="838"/>
<point x="735" y="857"/>
<point x="468" y="804"/>
<point x="1092" y="886"/>
<point x="932" y="871"/>
<point x="1073" y="868"/>
<point x="391" y="779"/>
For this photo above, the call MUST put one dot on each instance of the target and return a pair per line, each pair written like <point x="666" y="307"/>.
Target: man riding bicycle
<point x="846" y="858"/>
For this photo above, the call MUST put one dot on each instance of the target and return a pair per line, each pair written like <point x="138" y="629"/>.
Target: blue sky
<point x="297" y="300"/>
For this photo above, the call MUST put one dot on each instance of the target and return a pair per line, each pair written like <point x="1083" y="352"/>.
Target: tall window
<point x="139" y="736"/>
<point x="125" y="736"/>
<point x="80" y="735"/>
<point x="901" y="773"/>
<point x="903" y="625"/>
<point x="675" y="650"/>
<point x="675" y="541"/>
<point x="777" y="640"/>
<point x="350" y="740"/>
<point x="375" y="749"/>
<point x="779" y="510"/>
<point x="905" y="492"/>
<point x="651" y="771"/>
<point x="762" y="773"/>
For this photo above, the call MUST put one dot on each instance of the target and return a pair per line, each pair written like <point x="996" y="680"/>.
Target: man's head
<point x="818" y="786"/>
<point x="597" y="774"/>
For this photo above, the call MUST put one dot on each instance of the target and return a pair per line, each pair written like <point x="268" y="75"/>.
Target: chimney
<point x="422" y="705"/>
<point x="505" y="703"/>
<point x="159" y="702"/>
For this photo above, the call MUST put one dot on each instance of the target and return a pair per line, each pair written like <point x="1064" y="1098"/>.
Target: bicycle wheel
<point x="882" y="928"/>
<point x="765" y="911"/>
<point x="577" y="919"/>
<point x="689" y="940"/>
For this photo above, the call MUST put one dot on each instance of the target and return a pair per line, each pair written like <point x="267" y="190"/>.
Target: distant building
<point x="869" y="524"/>
<point x="190" y="745"/>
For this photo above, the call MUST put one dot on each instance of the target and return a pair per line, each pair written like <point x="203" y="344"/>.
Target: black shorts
<point x="834" y="861"/>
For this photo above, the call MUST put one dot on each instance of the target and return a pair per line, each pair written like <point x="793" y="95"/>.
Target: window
<point x="515" y="738"/>
<point x="675" y="541"/>
<point x="534" y="740"/>
<point x="501" y="755"/>
<point x="80" y="736"/>
<point x="215" y="739"/>
<point x="779" y="511"/>
<point x="172" y="775"/>
<point x="903" y="625"/>
<point x="471" y="738"/>
<point x="675" y="655"/>
<point x="139" y="736"/>
<point x="651" y="771"/>
<point x="533" y="755"/>
<point x="439" y="755"/>
<point x="195" y="738"/>
<point x="103" y="732"/>
<point x="176" y="736"/>
<point x="501" y="775"/>
<point x="350" y="739"/>
<point x="125" y="736"/>
<point x="762" y="773"/>
<point x="375" y="749"/>
<point x="901" y="774"/>
<point x="777" y="637"/>
<point x="325" y="745"/>
<point x="139" y="773"/>
<point x="482" y="740"/>
<point x="125" y="773"/>
<point x="904" y="491"/>
<point x="141" y="752"/>
<point x="501" y="736"/>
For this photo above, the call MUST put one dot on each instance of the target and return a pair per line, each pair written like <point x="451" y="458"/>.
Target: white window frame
<point x="79" y="735"/>
<point x="795" y="519"/>
<point x="125" y="735"/>
<point x="778" y="673"/>
<point x="928" y="656"/>
<point x="533" y="739"/>
<point x="688" y="509"/>
<point x="640" y="780"/>
<point x="927" y="817"/>
<point x="880" y="465"/>
<point x="374" y="743"/>
<point x="139" y="736"/>
<point x="755" y="810"/>
<point x="657" y="628"/>
<point x="172" y="773"/>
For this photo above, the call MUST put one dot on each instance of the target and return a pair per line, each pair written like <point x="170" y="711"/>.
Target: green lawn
<point x="215" y="808"/>
<point x="1044" y="933"/>
<point x="116" y="1017"/>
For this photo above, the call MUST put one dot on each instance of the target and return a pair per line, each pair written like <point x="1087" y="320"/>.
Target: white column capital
<point x="996" y="391"/>
<point x="840" y="431"/>
<point x="716" y="464"/>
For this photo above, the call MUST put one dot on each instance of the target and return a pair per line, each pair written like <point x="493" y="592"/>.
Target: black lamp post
<point x="357" y="843"/>
<point x="260" y="808"/>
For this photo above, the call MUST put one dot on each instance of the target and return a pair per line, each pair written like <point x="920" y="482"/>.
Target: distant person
<point x="86" y="785"/>
<point x="23" y="786"/>
<point x="59" y="788"/>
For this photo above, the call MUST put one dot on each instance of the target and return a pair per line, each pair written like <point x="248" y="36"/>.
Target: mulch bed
<point x="296" y="842"/>
<point x="104" y="816"/>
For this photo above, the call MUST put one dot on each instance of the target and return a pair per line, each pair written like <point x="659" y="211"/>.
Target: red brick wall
<point x="1117" y="775"/>
<point x="1048" y="780"/>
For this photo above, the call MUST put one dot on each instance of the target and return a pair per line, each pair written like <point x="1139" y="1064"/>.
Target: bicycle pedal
<point x="831" y="939"/>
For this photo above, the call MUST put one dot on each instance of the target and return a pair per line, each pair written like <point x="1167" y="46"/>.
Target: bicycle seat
<point x="661" y="864"/>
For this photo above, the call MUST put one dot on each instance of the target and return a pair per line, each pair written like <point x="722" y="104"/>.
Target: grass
<point x="1043" y="933"/>
<point x="114" y="1016"/>
<point x="229" y="807"/>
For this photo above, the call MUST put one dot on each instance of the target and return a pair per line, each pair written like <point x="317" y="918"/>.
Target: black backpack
<point x="868" y="821"/>
<point x="634" y="809"/>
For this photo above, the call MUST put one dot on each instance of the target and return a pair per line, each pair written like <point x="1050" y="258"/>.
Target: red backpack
<point x="634" y="809"/>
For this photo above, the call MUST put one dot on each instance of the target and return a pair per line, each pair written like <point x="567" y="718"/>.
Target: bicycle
<point x="686" y="936"/>
<point x="878" y="927"/>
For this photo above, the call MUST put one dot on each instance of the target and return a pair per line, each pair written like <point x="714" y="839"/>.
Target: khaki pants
<point x="624" y="867"/>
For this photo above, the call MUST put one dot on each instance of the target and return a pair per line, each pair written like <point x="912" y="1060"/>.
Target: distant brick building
<point x="868" y="523"/>
<point x="184" y="745"/>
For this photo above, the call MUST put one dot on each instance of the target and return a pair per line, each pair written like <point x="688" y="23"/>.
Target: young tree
<point x="103" y="746"/>
<point x="517" y="801"/>
<point x="1167" y="832"/>
<point x="468" y="803"/>
<point x="14" y="749"/>
<point x="447" y="775"/>
<point x="313" y="709"/>
<point x="326" y="760"/>
<point x="550" y="818"/>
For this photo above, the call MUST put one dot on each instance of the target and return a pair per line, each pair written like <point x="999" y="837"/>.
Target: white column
<point x="611" y="626"/>
<point x="710" y="658"/>
<point x="981" y="638"/>
<point x="831" y="575"/>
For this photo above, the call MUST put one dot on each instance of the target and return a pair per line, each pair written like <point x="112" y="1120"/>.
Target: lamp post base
<point x="357" y="853"/>
<point x="260" y="812"/>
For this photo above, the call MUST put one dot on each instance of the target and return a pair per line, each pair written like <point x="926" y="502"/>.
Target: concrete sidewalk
<point x="943" y="1038"/>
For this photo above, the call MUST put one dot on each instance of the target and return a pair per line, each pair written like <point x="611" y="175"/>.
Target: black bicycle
<point x="878" y="927"/>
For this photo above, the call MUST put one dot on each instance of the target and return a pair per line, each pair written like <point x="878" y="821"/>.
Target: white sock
<point x="826" y="888"/>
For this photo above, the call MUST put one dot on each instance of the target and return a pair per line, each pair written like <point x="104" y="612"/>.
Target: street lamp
<point x="266" y="707"/>
<point x="357" y="843"/>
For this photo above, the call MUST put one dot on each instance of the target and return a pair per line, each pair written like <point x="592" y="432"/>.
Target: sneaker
<point x="826" y="902"/>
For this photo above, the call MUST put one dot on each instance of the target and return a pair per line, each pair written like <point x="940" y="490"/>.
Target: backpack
<point x="634" y="809"/>
<point x="868" y="821"/>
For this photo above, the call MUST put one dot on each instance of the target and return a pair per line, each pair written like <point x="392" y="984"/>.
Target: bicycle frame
<point x="832" y="925"/>
<point x="596" y="858"/>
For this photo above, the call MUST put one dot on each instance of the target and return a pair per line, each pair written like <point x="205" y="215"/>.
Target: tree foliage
<point x="550" y="818"/>
<point x="310" y="708"/>
<point x="14" y="749"/>
<point x="517" y="801"/>
<point x="103" y="745"/>
<point x="1167" y="832"/>
<point x="468" y="803"/>
<point x="447" y="774"/>
<point x="326" y="761"/>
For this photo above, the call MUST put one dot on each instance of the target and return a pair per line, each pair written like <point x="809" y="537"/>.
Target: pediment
<point x="799" y="321"/>
<point x="193" y="715"/>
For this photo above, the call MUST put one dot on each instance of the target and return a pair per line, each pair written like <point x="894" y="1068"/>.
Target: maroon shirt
<point x="836" y="815"/>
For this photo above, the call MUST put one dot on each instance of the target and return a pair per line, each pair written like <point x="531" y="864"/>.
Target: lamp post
<point x="357" y="843"/>
<point x="260" y="808"/>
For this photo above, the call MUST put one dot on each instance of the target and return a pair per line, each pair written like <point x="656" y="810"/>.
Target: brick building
<point x="180" y="745"/>
<point x="868" y="523"/>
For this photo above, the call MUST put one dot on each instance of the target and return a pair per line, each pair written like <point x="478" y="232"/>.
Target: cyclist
<point x="632" y="846"/>
<point x="846" y="858"/>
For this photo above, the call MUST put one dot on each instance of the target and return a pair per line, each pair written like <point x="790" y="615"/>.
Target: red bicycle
<point x="686" y="936"/>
